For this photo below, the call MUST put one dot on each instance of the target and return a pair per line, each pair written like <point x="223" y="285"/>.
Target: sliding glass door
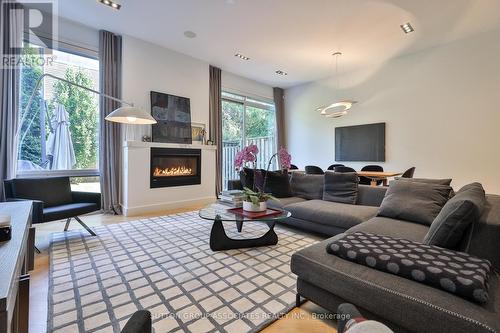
<point x="246" y="121"/>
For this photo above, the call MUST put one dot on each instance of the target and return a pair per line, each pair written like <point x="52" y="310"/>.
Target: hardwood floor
<point x="298" y="320"/>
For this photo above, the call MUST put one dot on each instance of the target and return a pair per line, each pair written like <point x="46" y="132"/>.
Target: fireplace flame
<point x="170" y="172"/>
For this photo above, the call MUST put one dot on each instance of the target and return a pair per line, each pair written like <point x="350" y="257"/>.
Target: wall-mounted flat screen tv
<point x="362" y="143"/>
<point x="173" y="114"/>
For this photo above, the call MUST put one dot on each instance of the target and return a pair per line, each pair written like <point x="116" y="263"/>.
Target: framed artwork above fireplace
<point x="173" y="114"/>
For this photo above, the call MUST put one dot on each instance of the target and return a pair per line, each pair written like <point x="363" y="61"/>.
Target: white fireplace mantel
<point x="140" y="144"/>
<point x="137" y="196"/>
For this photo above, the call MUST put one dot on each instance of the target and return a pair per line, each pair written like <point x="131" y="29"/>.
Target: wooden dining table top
<point x="378" y="174"/>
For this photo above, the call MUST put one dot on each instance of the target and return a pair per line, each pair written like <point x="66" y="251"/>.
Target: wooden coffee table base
<point x="219" y="241"/>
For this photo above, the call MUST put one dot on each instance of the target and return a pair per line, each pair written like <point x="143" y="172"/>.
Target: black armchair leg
<point x="297" y="300"/>
<point x="85" y="226"/>
<point x="67" y="224"/>
<point x="81" y="223"/>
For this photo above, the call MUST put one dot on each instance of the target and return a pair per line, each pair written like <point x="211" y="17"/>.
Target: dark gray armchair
<point x="53" y="199"/>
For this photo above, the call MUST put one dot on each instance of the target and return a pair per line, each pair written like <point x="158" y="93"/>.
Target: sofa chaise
<point x="402" y="304"/>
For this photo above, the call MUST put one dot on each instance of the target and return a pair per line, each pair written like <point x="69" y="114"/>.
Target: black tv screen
<point x="362" y="143"/>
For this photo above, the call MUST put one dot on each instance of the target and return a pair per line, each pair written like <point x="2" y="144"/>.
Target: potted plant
<point x="255" y="199"/>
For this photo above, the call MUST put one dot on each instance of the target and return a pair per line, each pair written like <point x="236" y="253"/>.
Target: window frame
<point x="246" y="100"/>
<point x="82" y="52"/>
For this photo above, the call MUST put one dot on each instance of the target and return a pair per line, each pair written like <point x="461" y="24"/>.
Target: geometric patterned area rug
<point x="165" y="265"/>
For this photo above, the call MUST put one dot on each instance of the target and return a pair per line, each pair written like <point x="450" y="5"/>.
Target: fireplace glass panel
<point x="175" y="166"/>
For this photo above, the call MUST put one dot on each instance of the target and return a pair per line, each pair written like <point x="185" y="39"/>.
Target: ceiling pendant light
<point x="336" y="109"/>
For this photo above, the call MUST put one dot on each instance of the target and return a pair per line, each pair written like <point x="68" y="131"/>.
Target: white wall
<point x="441" y="107"/>
<point x="241" y="85"/>
<point x="148" y="67"/>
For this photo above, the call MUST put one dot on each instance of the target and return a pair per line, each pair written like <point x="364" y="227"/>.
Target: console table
<point x="17" y="258"/>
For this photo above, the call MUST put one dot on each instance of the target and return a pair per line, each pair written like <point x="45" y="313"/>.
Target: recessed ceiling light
<point x="280" y="72"/>
<point x="241" y="56"/>
<point x="111" y="4"/>
<point x="190" y="34"/>
<point x="407" y="28"/>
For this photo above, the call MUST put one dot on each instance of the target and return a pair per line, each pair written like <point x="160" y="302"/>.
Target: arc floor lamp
<point x="126" y="114"/>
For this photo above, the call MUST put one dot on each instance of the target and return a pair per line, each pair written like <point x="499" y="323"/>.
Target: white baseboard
<point x="139" y="210"/>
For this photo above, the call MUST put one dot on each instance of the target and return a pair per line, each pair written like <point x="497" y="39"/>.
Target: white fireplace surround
<point x="137" y="196"/>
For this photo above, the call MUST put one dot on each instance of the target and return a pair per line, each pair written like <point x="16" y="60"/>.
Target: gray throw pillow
<point x="457" y="215"/>
<point x="446" y="181"/>
<point x="341" y="187"/>
<point x="308" y="187"/>
<point x="414" y="201"/>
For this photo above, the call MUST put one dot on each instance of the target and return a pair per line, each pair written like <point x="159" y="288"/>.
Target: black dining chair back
<point x="314" y="170"/>
<point x="408" y="173"/>
<point x="333" y="166"/>
<point x="344" y="169"/>
<point x="367" y="181"/>
<point x="293" y="167"/>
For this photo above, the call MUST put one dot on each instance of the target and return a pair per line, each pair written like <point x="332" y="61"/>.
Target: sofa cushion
<point x="278" y="184"/>
<point x="331" y="213"/>
<point x="446" y="181"/>
<point x="456" y="216"/>
<point x="284" y="202"/>
<point x="415" y="307"/>
<point x="341" y="187"/>
<point x="393" y="228"/>
<point x="64" y="211"/>
<point x="414" y="201"/>
<point x="52" y="191"/>
<point x="371" y="195"/>
<point x="247" y="177"/>
<point x="309" y="187"/>
<point x="455" y="272"/>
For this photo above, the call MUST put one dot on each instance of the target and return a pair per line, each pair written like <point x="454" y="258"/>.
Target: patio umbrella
<point x="59" y="143"/>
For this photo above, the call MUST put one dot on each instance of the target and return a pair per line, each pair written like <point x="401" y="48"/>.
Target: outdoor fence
<point x="266" y="145"/>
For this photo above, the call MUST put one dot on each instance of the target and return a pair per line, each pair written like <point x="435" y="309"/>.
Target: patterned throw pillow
<point x="456" y="272"/>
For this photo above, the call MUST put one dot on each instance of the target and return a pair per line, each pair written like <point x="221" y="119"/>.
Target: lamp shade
<point x="131" y="115"/>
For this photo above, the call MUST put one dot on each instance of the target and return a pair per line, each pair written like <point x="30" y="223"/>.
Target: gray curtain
<point x="215" y="126"/>
<point x="110" y="144"/>
<point x="279" y="104"/>
<point x="12" y="33"/>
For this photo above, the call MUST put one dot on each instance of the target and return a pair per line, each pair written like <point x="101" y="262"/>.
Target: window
<point x="245" y="121"/>
<point x="59" y="134"/>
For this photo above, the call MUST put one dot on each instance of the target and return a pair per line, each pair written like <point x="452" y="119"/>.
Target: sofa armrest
<point x="87" y="197"/>
<point x="37" y="212"/>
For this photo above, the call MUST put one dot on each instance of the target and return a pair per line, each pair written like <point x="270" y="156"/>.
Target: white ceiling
<point x="296" y="36"/>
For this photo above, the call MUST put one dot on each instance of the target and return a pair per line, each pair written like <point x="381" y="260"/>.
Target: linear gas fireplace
<point x="175" y="167"/>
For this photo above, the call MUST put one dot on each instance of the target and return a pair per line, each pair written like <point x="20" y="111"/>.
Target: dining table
<point x="376" y="176"/>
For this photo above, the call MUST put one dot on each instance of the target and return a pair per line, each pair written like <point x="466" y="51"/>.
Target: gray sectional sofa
<point x="402" y="304"/>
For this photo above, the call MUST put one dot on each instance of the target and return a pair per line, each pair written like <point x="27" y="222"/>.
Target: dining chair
<point x="408" y="173"/>
<point x="313" y="170"/>
<point x="333" y="166"/>
<point x="344" y="169"/>
<point x="366" y="180"/>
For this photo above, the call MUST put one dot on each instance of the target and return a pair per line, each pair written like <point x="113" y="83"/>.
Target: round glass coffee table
<point x="219" y="241"/>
